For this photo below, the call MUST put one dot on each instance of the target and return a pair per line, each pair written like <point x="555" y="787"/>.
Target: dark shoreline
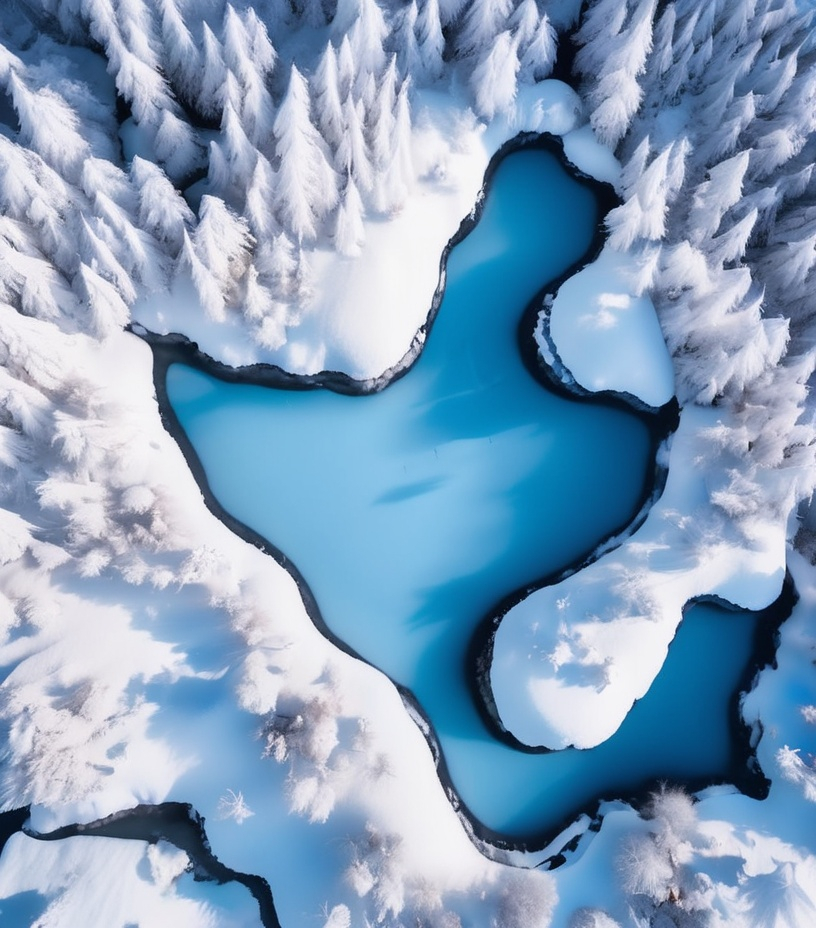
<point x="661" y="422"/>
<point x="179" y="824"/>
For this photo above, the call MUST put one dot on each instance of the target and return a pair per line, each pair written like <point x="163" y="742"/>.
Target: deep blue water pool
<point x="411" y="512"/>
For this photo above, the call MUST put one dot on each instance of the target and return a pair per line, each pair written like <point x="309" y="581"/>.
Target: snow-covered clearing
<point x="569" y="661"/>
<point x="113" y="882"/>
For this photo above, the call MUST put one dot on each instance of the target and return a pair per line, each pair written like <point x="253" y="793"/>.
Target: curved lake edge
<point x="744" y="773"/>
<point x="660" y="423"/>
<point x="179" y="824"/>
<point x="11" y="822"/>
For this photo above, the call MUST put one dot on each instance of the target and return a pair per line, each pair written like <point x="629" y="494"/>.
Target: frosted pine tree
<point x="237" y="54"/>
<point x="352" y="158"/>
<point x="306" y="188"/>
<point x="222" y="243"/>
<point x="328" y="106"/>
<point x="48" y="126"/>
<point x="401" y="171"/>
<point x="182" y="55"/>
<point x="494" y="79"/>
<point x="380" y="125"/>
<point x="481" y="24"/>
<point x="207" y="288"/>
<point x="209" y="100"/>
<point x="404" y="41"/>
<point x="524" y="22"/>
<point x="232" y="159"/>
<point x="430" y="40"/>
<point x="276" y="259"/>
<point x="346" y="68"/>
<point x="366" y="40"/>
<point x="537" y="56"/>
<point x="349" y="231"/>
<point x="258" y="204"/>
<point x="162" y="211"/>
<point x="615" y="43"/>
<point x="250" y="57"/>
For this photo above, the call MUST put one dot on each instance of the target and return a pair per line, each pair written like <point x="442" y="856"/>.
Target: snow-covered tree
<point x="430" y="41"/>
<point x="367" y="38"/>
<point x="277" y="260"/>
<point x="257" y="112"/>
<point x="643" y="214"/>
<point x="380" y="125"/>
<point x="352" y="157"/>
<point x="207" y="288"/>
<point x="614" y="51"/>
<point x="481" y="25"/>
<point x="107" y="311"/>
<point x="237" y="53"/>
<point x="183" y="60"/>
<point x="258" y="203"/>
<point x="48" y="126"/>
<point x="715" y="195"/>
<point x="306" y="188"/>
<point x="404" y="41"/>
<point x="232" y="159"/>
<point x="98" y="255"/>
<point x="162" y="210"/>
<point x="494" y="78"/>
<point x="346" y="68"/>
<point x="222" y="243"/>
<point x="176" y="147"/>
<point x="400" y="174"/>
<point x="209" y="100"/>
<point x="349" y="232"/>
<point x="328" y="106"/>
<point x="537" y="56"/>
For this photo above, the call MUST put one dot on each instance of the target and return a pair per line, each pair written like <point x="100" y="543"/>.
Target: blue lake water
<point x="411" y="512"/>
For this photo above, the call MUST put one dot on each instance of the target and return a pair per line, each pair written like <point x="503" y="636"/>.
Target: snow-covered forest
<point x="255" y="176"/>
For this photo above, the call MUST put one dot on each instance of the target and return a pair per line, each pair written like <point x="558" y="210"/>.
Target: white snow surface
<point x="742" y="863"/>
<point x="364" y="311"/>
<point x="119" y="694"/>
<point x="569" y="661"/>
<point x="607" y="337"/>
<point x="112" y="882"/>
<point x="147" y="657"/>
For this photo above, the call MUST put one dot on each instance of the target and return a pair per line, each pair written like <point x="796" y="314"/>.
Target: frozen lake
<point x="413" y="512"/>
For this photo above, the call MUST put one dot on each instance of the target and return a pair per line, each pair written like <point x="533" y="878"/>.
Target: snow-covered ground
<point x="363" y="312"/>
<point x="149" y="655"/>
<point x="113" y="882"/>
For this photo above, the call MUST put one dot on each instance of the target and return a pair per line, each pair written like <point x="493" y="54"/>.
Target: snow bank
<point x="113" y="882"/>
<point x="364" y="312"/>
<point x="569" y="661"/>
<point x="187" y="685"/>
<point x="608" y="338"/>
<point x="742" y="862"/>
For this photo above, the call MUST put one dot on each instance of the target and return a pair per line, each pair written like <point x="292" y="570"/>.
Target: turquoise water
<point x="682" y="730"/>
<point x="412" y="512"/>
